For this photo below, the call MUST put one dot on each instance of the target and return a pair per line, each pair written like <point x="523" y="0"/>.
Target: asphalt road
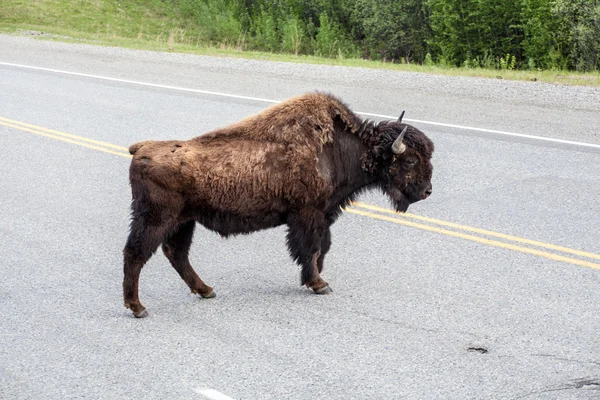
<point x="413" y="305"/>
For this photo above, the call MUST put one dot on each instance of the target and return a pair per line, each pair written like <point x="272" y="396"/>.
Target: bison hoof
<point x="324" y="290"/>
<point x="209" y="295"/>
<point x="143" y="313"/>
<point x="138" y="310"/>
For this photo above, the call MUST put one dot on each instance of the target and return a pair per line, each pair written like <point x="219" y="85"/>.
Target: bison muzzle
<point x="297" y="163"/>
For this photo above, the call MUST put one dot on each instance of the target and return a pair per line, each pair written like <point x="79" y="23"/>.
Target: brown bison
<point x="297" y="163"/>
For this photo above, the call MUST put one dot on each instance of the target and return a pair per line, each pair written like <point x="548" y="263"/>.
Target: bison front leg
<point x="325" y="245"/>
<point x="176" y="249"/>
<point x="306" y="234"/>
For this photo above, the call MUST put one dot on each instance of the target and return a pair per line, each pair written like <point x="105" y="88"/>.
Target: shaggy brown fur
<point x="296" y="163"/>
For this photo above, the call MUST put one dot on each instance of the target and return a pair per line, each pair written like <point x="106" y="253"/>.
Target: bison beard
<point x="400" y="202"/>
<point x="297" y="163"/>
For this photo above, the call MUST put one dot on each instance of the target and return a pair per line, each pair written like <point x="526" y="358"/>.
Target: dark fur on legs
<point x="142" y="242"/>
<point x="325" y="245"/>
<point x="306" y="231"/>
<point x="176" y="248"/>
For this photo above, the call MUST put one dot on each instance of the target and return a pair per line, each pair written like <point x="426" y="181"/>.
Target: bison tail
<point x="135" y="147"/>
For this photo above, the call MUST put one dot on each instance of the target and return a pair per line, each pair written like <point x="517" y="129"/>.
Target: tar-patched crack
<point x="587" y="383"/>
<point x="582" y="383"/>
<point x="478" y="349"/>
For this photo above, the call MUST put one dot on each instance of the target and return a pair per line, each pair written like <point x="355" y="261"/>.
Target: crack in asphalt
<point x="582" y="383"/>
<point x="409" y="326"/>
<point x="566" y="359"/>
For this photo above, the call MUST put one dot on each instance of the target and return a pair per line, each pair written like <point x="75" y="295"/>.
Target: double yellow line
<point x="67" y="137"/>
<point x="457" y="230"/>
<point x="482" y="236"/>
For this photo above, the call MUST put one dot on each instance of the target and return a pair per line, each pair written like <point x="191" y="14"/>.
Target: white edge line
<point x="156" y="85"/>
<point x="470" y="128"/>
<point x="212" y="394"/>
<point x="235" y="96"/>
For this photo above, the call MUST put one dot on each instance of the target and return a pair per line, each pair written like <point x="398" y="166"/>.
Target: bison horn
<point x="398" y="147"/>
<point x="401" y="115"/>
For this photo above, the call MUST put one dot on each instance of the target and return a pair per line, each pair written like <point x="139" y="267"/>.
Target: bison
<point x="299" y="163"/>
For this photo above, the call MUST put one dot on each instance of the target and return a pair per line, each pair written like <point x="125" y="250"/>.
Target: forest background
<point x="491" y="34"/>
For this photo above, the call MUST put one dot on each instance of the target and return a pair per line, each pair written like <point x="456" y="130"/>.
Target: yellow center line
<point x="65" y="139"/>
<point x="123" y="152"/>
<point x="477" y="239"/>
<point x="64" y="134"/>
<point x="480" y="231"/>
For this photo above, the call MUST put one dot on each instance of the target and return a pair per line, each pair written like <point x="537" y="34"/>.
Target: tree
<point x="540" y="25"/>
<point x="476" y="29"/>
<point x="392" y="29"/>
<point x="579" y="32"/>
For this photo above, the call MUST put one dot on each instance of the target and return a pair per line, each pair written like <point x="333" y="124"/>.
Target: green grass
<point x="152" y="25"/>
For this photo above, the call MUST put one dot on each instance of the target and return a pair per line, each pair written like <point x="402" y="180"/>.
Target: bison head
<point x="403" y="163"/>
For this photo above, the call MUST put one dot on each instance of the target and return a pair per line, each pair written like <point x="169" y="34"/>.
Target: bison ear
<point x="401" y="116"/>
<point x="398" y="147"/>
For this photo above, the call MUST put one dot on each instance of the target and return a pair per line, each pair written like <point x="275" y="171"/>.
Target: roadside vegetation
<point x="555" y="41"/>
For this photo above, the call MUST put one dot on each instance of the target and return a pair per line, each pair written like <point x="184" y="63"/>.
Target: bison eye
<point x="411" y="162"/>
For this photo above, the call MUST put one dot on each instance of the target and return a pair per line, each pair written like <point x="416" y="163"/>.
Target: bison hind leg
<point x="141" y="244"/>
<point x="176" y="248"/>
<point x="143" y="241"/>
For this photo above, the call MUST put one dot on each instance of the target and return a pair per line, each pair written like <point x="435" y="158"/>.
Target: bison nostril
<point x="426" y="193"/>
